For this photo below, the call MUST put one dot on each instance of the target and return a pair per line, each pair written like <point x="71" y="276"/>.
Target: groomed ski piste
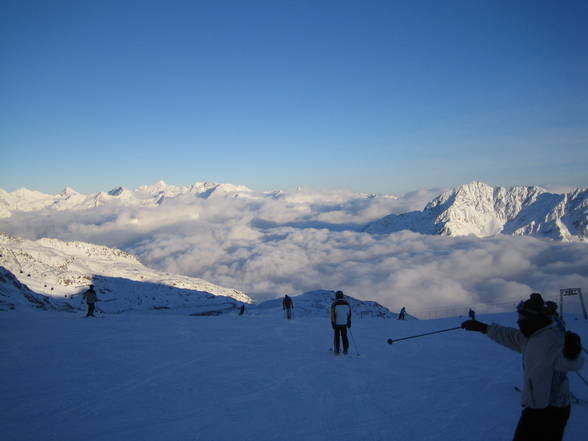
<point x="165" y="376"/>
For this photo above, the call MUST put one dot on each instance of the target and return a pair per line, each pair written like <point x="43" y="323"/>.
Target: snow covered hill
<point x="482" y="210"/>
<point x="318" y="304"/>
<point x="58" y="272"/>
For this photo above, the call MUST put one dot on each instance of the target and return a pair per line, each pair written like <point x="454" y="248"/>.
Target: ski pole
<point x="390" y="341"/>
<point x="354" y="344"/>
<point x="582" y="378"/>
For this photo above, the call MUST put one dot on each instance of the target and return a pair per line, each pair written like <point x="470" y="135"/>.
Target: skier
<point x="340" y="320"/>
<point x="242" y="310"/>
<point x="288" y="306"/>
<point x="402" y="315"/>
<point x="548" y="355"/>
<point x="90" y="297"/>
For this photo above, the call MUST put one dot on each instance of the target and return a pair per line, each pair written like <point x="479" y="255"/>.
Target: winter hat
<point x="339" y="295"/>
<point x="533" y="307"/>
<point x="534" y="315"/>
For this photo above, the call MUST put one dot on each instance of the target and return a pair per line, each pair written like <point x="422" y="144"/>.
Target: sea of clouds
<point x="298" y="241"/>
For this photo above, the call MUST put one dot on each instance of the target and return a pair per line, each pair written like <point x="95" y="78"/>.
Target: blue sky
<point x="383" y="97"/>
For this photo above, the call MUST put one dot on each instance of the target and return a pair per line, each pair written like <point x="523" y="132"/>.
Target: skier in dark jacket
<point x="288" y="306"/>
<point x="90" y="298"/>
<point x="340" y="321"/>
<point x="548" y="354"/>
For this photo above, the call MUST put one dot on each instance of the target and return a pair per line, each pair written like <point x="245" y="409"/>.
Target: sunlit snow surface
<point x="164" y="376"/>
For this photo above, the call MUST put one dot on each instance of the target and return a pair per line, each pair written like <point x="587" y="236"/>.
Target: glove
<point x="474" y="325"/>
<point x="572" y="346"/>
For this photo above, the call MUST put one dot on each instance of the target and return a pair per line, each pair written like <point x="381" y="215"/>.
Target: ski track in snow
<point x="167" y="377"/>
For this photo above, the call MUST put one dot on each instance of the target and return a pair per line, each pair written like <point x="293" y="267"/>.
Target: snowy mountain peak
<point x="68" y="191"/>
<point x="482" y="210"/>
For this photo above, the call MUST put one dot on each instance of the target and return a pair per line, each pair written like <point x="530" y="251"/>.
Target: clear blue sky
<point x="382" y="97"/>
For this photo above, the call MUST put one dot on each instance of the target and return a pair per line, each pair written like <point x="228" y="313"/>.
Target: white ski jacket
<point x="340" y="312"/>
<point x="544" y="365"/>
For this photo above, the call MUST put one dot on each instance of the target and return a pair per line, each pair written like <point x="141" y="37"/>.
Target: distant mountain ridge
<point x="482" y="210"/>
<point x="52" y="274"/>
<point x="149" y="195"/>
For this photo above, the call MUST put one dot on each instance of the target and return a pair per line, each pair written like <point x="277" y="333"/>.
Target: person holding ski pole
<point x="90" y="298"/>
<point x="288" y="305"/>
<point x="548" y="354"/>
<point x="340" y="321"/>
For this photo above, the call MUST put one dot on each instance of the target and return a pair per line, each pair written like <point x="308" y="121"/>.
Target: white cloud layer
<point x="303" y="241"/>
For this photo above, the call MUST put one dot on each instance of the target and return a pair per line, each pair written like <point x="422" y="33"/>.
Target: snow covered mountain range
<point x="150" y="195"/>
<point x="472" y="209"/>
<point x="52" y="274"/>
<point x="482" y="210"/>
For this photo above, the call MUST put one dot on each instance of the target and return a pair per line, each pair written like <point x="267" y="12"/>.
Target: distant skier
<point x="90" y="298"/>
<point x="340" y="321"/>
<point x="242" y="310"/>
<point x="288" y="306"/>
<point x="548" y="354"/>
<point x="402" y="315"/>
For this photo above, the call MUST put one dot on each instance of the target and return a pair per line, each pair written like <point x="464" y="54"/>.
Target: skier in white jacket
<point x="548" y="354"/>
<point x="340" y="320"/>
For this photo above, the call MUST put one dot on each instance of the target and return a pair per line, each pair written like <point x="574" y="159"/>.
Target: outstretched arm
<point x="509" y="337"/>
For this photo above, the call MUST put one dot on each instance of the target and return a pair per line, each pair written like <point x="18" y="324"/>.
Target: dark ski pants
<point x="289" y="313"/>
<point x="542" y="424"/>
<point x="91" y="307"/>
<point x="341" y="334"/>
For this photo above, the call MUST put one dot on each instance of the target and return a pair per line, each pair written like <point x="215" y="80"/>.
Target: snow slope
<point x="479" y="209"/>
<point x="61" y="271"/>
<point x="150" y="377"/>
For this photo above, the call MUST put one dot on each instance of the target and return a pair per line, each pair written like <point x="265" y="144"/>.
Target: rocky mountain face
<point x="53" y="274"/>
<point x="483" y="211"/>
